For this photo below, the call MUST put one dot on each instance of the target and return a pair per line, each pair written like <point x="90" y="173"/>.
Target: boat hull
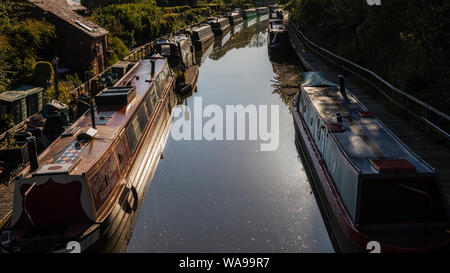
<point x="236" y="20"/>
<point x="249" y="16"/>
<point x="114" y="232"/>
<point x="343" y="233"/>
<point x="118" y="228"/>
<point x="221" y="31"/>
<point x="277" y="41"/>
<point x="201" y="45"/>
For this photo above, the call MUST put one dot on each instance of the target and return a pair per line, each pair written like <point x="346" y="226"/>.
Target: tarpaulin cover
<point x="315" y="79"/>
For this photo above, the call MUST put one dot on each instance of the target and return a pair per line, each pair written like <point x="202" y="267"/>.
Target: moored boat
<point x="181" y="55"/>
<point x="89" y="184"/>
<point x="235" y="18"/>
<point x="272" y="7"/>
<point x="178" y="49"/>
<point x="262" y="10"/>
<point x="374" y="190"/>
<point x="220" y="25"/>
<point x="278" y="36"/>
<point x="276" y="15"/>
<point x="249" y="14"/>
<point x="202" y="36"/>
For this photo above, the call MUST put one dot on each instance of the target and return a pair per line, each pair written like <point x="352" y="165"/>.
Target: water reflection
<point x="227" y="196"/>
<point x="251" y="22"/>
<point x="201" y="56"/>
<point x="253" y="36"/>
<point x="263" y="17"/>
<point x="221" y="40"/>
<point x="286" y="82"/>
<point x="235" y="29"/>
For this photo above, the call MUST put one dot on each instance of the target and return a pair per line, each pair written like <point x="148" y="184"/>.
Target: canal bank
<point x="228" y="196"/>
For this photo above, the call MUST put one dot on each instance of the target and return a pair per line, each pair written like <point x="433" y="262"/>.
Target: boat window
<point x="132" y="141"/>
<point x="154" y="94"/>
<point x="142" y="117"/>
<point x="161" y="80"/>
<point x="162" y="77"/>
<point x="165" y="50"/>
<point x="123" y="154"/>
<point x="133" y="133"/>
<point x="318" y="130"/>
<point x="149" y="105"/>
<point x="157" y="87"/>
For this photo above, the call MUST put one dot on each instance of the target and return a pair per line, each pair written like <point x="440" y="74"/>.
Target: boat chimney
<point x="91" y="104"/>
<point x="342" y="88"/>
<point x="32" y="153"/>
<point x="153" y="67"/>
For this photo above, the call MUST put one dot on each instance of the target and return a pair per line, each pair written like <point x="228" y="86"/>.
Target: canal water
<point x="228" y="196"/>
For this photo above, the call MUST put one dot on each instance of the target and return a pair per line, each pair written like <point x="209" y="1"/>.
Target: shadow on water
<point x="228" y="196"/>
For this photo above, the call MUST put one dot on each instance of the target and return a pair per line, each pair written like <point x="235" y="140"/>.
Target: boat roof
<point x="221" y="19"/>
<point x="234" y="13"/>
<point x="108" y="125"/>
<point x="277" y="26"/>
<point x="173" y="39"/>
<point x="365" y="137"/>
<point x="200" y="28"/>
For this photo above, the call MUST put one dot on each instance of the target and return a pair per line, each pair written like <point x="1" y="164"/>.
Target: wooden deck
<point x="6" y="202"/>
<point x="437" y="155"/>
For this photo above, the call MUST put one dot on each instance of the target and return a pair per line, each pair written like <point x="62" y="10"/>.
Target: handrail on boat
<point x="425" y="113"/>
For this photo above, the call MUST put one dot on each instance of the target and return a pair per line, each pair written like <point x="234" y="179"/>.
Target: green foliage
<point x="134" y="24"/>
<point x="65" y="88"/>
<point x="6" y="122"/>
<point x="103" y="3"/>
<point x="43" y="74"/>
<point x="21" y="43"/>
<point x="138" y="23"/>
<point x="118" y="48"/>
<point x="405" y="41"/>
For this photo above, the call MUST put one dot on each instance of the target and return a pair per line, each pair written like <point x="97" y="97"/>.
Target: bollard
<point x="91" y="104"/>
<point x="341" y="83"/>
<point x="153" y="67"/>
<point x="342" y="88"/>
<point x="32" y="152"/>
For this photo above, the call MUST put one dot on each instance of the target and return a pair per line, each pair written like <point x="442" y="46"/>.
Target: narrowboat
<point x="278" y="36"/>
<point x="202" y="36"/>
<point x="181" y="55"/>
<point x="178" y="49"/>
<point x="249" y="14"/>
<point x="235" y="18"/>
<point x="220" y="25"/>
<point x="373" y="189"/>
<point x="276" y="15"/>
<point x="273" y="7"/>
<point x="262" y="10"/>
<point x="251" y="22"/>
<point x="237" y="28"/>
<point x="89" y="184"/>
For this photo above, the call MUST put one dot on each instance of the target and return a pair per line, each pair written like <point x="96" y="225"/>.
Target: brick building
<point x="81" y="45"/>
